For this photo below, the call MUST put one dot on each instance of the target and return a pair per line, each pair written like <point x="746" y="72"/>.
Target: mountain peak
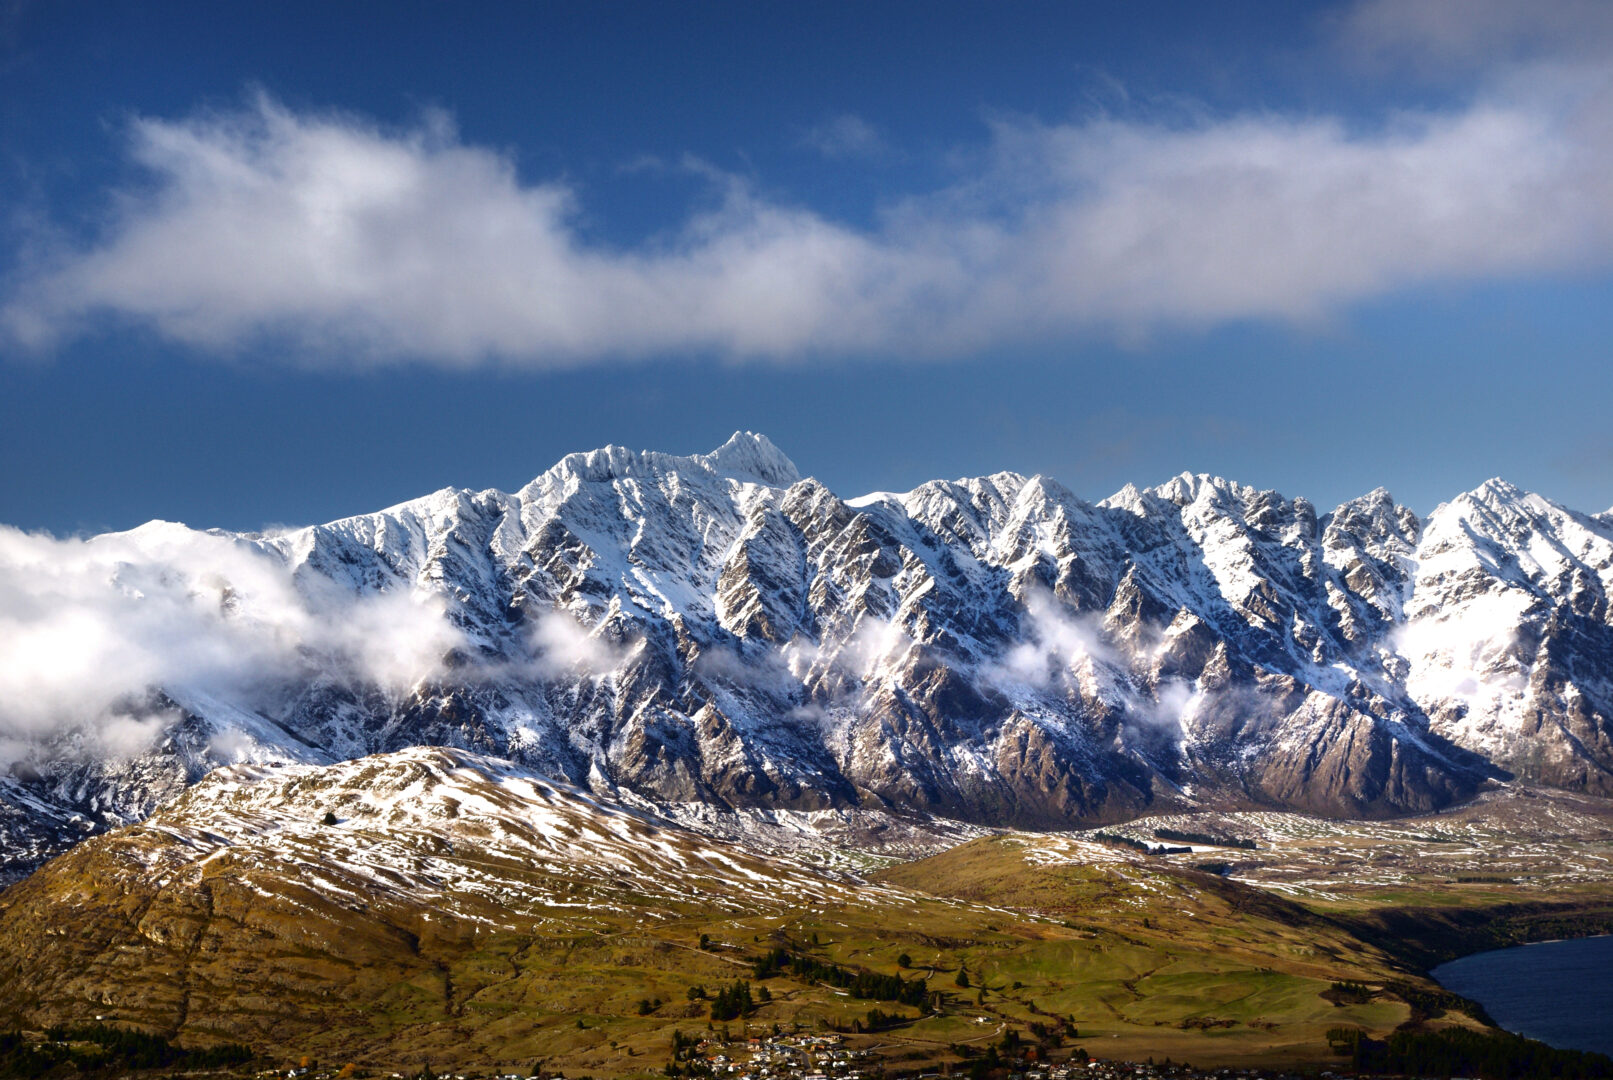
<point x="1496" y="498"/>
<point x="746" y="457"/>
<point x="1496" y="489"/>
<point x="1186" y="487"/>
<point x="1376" y="503"/>
<point x="749" y="455"/>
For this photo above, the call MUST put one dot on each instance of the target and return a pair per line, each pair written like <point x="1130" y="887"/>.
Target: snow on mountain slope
<point x="716" y="631"/>
<point x="459" y="833"/>
<point x="1508" y="637"/>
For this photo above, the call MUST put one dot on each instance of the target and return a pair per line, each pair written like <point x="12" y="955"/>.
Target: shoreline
<point x="1494" y="975"/>
<point x="1425" y="937"/>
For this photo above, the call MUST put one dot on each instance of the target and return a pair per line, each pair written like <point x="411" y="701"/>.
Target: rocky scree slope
<point x="718" y="631"/>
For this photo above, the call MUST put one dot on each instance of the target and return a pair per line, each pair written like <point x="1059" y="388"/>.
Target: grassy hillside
<point x="451" y="914"/>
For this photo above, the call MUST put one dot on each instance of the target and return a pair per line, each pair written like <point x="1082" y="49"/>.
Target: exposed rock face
<point x="716" y="628"/>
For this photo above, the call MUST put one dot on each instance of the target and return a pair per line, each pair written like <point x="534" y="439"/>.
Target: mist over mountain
<point x="716" y="632"/>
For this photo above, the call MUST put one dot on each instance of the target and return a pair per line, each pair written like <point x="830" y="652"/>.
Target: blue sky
<point x="279" y="263"/>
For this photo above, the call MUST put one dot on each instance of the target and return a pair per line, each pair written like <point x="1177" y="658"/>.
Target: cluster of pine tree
<point x="732" y="1002"/>
<point x="867" y="985"/>
<point x="685" y="1058"/>
<point x="879" y="1020"/>
<point x="1184" y="837"/>
<point x="21" y="1058"/>
<point x="116" y="1049"/>
<point x="1139" y="845"/>
<point x="1494" y="1055"/>
<point x="1350" y="993"/>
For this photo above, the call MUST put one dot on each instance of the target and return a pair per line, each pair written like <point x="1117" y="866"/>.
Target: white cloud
<point x="1061" y="649"/>
<point x="362" y="245"/>
<point x="88" y="628"/>
<point x="348" y="238"/>
<point x="1477" y="32"/>
<point x="875" y="646"/>
<point x="1058" y="647"/>
<point x="846" y="136"/>
<point x="1169" y="711"/>
<point x="562" y="646"/>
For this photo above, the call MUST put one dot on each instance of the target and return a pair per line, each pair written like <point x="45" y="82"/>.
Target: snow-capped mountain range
<point x="716" y="632"/>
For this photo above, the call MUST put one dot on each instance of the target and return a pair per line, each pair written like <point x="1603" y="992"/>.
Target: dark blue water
<point x="1560" y="992"/>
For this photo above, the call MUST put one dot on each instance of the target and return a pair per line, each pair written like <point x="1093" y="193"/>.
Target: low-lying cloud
<point x="1057" y="645"/>
<point x="1064" y="651"/>
<point x="561" y="646"/>
<point x="362" y="244"/>
<point x="90" y="628"/>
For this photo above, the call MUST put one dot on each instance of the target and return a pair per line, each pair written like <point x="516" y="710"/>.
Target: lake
<point x="1560" y="992"/>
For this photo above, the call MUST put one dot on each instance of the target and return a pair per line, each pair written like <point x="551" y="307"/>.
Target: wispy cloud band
<point x="358" y="244"/>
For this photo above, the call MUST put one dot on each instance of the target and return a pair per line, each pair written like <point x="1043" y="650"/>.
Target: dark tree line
<point x="1494" y="1055"/>
<point x="1184" y="837"/>
<point x="118" y="1049"/>
<point x="1140" y="845"/>
<point x="867" y="985"/>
